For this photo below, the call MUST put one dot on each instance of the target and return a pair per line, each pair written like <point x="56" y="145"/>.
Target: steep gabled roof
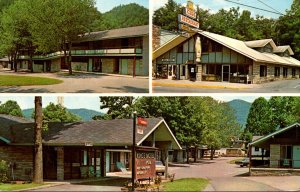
<point x="264" y="138"/>
<point x="282" y="49"/>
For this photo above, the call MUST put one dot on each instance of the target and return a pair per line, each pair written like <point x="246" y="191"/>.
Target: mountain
<point x="241" y="108"/>
<point x="85" y="114"/>
<point x="123" y="16"/>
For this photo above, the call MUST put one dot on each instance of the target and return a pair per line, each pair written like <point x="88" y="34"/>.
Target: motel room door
<point x="226" y="73"/>
<point x="296" y="156"/>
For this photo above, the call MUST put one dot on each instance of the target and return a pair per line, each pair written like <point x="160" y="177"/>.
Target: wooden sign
<point x="185" y="20"/>
<point x="145" y="164"/>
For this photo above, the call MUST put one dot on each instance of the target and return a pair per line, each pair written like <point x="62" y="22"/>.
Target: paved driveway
<point x="229" y="177"/>
<point x="186" y="86"/>
<point x="82" y="83"/>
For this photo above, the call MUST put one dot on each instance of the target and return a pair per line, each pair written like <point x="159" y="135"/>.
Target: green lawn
<point x="189" y="184"/>
<point x="11" y="187"/>
<point x="14" y="80"/>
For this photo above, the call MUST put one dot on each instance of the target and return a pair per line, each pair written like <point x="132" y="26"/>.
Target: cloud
<point x="156" y="4"/>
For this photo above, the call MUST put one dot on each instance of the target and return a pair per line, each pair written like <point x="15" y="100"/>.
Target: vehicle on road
<point x="243" y="162"/>
<point x="159" y="168"/>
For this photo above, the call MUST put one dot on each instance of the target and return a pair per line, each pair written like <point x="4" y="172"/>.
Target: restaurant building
<point x="82" y="149"/>
<point x="119" y="51"/>
<point x="204" y="56"/>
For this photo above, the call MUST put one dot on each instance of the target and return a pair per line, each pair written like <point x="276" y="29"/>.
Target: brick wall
<point x="23" y="159"/>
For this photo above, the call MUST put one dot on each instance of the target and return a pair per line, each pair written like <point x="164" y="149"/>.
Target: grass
<point x="14" y="80"/>
<point x="188" y="184"/>
<point x="108" y="182"/>
<point x="11" y="187"/>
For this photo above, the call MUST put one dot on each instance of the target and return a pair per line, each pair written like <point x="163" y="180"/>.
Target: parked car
<point x="243" y="162"/>
<point x="159" y="168"/>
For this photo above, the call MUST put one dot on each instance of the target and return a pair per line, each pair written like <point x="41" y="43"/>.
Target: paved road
<point x="82" y="83"/>
<point x="229" y="177"/>
<point x="283" y="86"/>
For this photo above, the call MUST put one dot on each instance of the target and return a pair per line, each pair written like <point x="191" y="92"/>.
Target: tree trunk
<point x="69" y="60"/>
<point x="15" y="62"/>
<point x="195" y="154"/>
<point x="212" y="152"/>
<point x="187" y="155"/>
<point x="38" y="148"/>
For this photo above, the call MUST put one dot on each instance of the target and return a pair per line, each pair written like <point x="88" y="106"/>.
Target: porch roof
<point x="117" y="132"/>
<point x="265" y="138"/>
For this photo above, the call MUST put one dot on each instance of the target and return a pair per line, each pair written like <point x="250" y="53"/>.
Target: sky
<point x="93" y="102"/>
<point x="106" y="5"/>
<point x="215" y="5"/>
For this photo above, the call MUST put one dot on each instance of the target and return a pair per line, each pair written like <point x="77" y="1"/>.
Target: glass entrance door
<point x="226" y="73"/>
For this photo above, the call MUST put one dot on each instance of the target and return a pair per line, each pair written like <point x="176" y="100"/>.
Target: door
<point x="124" y="66"/>
<point x="192" y="72"/>
<point x="296" y="156"/>
<point x="107" y="161"/>
<point x="226" y="73"/>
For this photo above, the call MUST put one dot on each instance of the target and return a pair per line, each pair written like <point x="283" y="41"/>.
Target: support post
<point x="134" y="66"/>
<point x="102" y="162"/>
<point x="133" y="151"/>
<point x="250" y="156"/>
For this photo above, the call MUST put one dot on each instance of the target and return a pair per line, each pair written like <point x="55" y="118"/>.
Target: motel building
<point x="119" y="51"/>
<point x="203" y="56"/>
<point x="83" y="149"/>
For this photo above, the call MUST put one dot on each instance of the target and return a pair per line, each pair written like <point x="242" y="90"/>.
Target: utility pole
<point x="133" y="151"/>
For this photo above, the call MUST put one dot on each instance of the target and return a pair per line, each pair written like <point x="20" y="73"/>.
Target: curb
<point x="196" y="86"/>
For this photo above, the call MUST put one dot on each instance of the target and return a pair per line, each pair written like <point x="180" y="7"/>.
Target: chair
<point x="122" y="167"/>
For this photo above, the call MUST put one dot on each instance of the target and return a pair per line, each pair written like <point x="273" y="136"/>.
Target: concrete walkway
<point x="81" y="83"/>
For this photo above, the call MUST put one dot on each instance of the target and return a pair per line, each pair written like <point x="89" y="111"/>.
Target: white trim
<point x="154" y="128"/>
<point x="275" y="133"/>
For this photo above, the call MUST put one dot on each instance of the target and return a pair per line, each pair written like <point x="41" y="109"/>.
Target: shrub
<point x="3" y="171"/>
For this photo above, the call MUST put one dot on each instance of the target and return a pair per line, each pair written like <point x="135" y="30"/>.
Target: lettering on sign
<point x="145" y="164"/>
<point x="190" y="13"/>
<point x="188" y="21"/>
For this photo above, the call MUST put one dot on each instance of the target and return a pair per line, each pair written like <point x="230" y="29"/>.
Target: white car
<point x="159" y="168"/>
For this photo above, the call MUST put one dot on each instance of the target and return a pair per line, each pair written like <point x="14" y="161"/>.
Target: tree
<point x="14" y="33"/>
<point x="11" y="108"/>
<point x="259" y="121"/>
<point x="118" y="107"/>
<point x="283" y="111"/>
<point x="167" y="16"/>
<point x="58" y="113"/>
<point x="38" y="146"/>
<point x="62" y="22"/>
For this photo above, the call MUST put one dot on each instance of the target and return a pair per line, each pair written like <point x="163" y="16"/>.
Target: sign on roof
<point x="188" y="18"/>
<point x="188" y="21"/>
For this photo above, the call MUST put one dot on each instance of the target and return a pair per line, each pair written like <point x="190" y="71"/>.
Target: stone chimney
<point x="155" y="37"/>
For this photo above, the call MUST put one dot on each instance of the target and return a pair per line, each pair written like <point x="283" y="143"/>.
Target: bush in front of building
<point x="3" y="171"/>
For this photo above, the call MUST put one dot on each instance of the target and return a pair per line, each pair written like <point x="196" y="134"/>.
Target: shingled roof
<point x="6" y="121"/>
<point x="116" y="132"/>
<point x="116" y="33"/>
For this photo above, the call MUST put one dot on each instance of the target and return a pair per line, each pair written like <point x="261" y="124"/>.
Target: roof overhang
<point x="173" y="138"/>
<point x="170" y="45"/>
<point x="265" y="138"/>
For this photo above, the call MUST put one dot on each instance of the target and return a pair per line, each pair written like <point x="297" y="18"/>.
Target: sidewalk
<point x="201" y="84"/>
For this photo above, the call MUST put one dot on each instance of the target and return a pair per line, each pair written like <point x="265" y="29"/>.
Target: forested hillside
<point x="123" y="16"/>
<point x="241" y="108"/>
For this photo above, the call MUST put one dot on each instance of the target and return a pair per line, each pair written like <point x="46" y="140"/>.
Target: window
<point x="256" y="149"/>
<point x="180" y="49"/>
<point x="263" y="71"/>
<point x="183" y="70"/>
<point x="285" y="72"/>
<point x="277" y="72"/>
<point x="286" y="152"/>
<point x="294" y="72"/>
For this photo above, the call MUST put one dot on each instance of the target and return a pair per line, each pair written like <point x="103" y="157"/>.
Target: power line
<point x="269" y="6"/>
<point x="254" y="7"/>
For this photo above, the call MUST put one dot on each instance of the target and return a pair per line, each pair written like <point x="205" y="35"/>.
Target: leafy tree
<point x="167" y="16"/>
<point x="259" y="121"/>
<point x="14" y="33"/>
<point x="58" y="113"/>
<point x="5" y="3"/>
<point x="62" y="21"/>
<point x="11" y="108"/>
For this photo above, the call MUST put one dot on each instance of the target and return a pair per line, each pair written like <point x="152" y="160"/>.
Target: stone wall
<point x="271" y="73"/>
<point x="55" y="65"/>
<point x="22" y="157"/>
<point x="274" y="172"/>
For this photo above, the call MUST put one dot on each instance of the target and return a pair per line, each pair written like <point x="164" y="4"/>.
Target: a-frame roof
<point x="262" y="139"/>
